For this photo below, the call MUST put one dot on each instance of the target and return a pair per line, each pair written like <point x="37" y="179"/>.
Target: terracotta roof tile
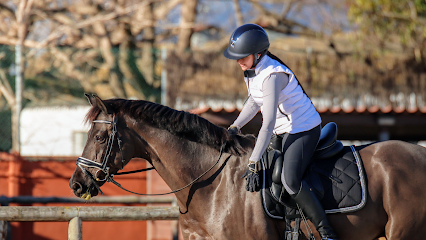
<point x="334" y="109"/>
<point x="386" y="109"/>
<point x="323" y="105"/>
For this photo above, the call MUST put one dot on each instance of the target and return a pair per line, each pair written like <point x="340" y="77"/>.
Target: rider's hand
<point x="252" y="176"/>
<point x="234" y="130"/>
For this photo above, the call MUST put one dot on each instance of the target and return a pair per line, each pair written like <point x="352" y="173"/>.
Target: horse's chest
<point x="224" y="224"/>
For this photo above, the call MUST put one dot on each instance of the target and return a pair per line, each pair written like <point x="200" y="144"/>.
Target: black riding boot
<point x="310" y="205"/>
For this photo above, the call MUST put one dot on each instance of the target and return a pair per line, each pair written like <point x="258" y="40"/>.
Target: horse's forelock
<point x="92" y="114"/>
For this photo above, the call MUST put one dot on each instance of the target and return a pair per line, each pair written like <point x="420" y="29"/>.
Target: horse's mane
<point x="180" y="123"/>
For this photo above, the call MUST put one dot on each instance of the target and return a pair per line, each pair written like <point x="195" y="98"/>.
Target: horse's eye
<point x="99" y="138"/>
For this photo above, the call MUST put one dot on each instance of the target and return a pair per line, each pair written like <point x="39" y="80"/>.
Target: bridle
<point x="81" y="161"/>
<point x="85" y="162"/>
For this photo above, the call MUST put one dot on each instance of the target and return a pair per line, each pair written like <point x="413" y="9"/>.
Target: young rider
<point x="287" y="112"/>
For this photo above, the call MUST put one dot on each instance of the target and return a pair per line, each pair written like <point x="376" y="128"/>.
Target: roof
<point x="373" y="109"/>
<point x="323" y="106"/>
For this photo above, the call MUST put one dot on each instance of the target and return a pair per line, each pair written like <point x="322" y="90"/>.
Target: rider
<point x="287" y="113"/>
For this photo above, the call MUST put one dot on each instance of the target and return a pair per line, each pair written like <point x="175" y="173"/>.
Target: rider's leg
<point x="298" y="150"/>
<point x="310" y="205"/>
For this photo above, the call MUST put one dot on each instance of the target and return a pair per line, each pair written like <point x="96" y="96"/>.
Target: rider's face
<point x="247" y="62"/>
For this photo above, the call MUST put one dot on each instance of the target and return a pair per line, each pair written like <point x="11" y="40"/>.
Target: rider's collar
<point x="250" y="73"/>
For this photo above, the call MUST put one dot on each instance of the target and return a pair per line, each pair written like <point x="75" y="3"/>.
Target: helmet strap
<point x="258" y="58"/>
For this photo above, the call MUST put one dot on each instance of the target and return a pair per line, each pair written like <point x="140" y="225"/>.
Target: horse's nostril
<point x="77" y="188"/>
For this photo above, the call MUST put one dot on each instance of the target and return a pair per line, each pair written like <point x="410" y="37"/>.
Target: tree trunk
<point x="147" y="61"/>
<point x="21" y="20"/>
<point x="189" y="12"/>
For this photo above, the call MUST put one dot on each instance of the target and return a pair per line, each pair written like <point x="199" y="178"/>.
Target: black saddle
<point x="336" y="176"/>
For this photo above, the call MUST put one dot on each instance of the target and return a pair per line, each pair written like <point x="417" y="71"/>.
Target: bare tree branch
<point x="280" y="23"/>
<point x="287" y="8"/>
<point x="238" y="15"/>
<point x="162" y="11"/>
<point x="402" y="17"/>
<point x="58" y="32"/>
<point x="7" y="8"/>
<point x="6" y="89"/>
<point x="5" y="40"/>
<point x="70" y="69"/>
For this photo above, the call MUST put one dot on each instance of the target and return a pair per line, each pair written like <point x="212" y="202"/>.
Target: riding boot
<point x="310" y="205"/>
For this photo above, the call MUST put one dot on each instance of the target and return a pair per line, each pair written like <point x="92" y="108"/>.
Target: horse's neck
<point x="178" y="161"/>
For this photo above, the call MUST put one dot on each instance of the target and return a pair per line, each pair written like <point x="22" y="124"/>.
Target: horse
<point x="204" y="163"/>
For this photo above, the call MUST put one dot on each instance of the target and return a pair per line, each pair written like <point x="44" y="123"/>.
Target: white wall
<point x="53" y="131"/>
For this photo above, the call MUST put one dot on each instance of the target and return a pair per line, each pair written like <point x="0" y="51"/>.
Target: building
<point x="53" y="131"/>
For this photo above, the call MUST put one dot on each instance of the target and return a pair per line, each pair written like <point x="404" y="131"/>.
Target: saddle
<point x="336" y="176"/>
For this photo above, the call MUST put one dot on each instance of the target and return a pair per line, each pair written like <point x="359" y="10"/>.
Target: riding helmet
<point x="246" y="40"/>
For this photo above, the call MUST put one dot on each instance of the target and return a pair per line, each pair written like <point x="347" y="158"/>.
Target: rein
<point x="84" y="162"/>
<point x="177" y="190"/>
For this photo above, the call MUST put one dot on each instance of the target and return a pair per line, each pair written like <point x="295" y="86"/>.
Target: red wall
<point x="48" y="177"/>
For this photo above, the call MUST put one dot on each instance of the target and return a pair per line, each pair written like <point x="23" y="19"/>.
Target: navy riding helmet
<point x="246" y="40"/>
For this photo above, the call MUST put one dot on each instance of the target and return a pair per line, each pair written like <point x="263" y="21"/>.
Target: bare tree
<point x="107" y="47"/>
<point x="89" y="42"/>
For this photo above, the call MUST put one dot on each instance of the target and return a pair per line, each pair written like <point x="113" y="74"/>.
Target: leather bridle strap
<point x="135" y="171"/>
<point x="89" y="163"/>
<point x="177" y="190"/>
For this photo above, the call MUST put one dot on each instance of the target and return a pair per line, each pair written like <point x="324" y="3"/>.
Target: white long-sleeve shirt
<point x="284" y="106"/>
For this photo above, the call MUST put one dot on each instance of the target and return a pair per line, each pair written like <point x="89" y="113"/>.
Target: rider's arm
<point x="272" y="86"/>
<point x="249" y="110"/>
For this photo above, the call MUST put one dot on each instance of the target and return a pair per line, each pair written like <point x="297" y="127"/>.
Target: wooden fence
<point x="75" y="215"/>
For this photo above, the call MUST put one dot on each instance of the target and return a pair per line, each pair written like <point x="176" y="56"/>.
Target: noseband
<point x="85" y="162"/>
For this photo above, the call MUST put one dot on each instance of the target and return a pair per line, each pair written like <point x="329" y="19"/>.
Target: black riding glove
<point x="234" y="130"/>
<point x="252" y="177"/>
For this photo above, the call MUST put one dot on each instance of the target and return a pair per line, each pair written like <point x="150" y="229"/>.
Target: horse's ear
<point x="90" y="98"/>
<point x="100" y="104"/>
<point x="94" y="100"/>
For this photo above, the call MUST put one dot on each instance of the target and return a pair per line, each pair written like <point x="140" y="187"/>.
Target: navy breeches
<point x="297" y="152"/>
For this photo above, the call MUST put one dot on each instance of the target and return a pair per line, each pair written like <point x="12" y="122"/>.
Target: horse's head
<point x="103" y="154"/>
<point x="121" y="129"/>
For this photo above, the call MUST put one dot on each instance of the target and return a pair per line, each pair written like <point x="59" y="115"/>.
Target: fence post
<point x="75" y="229"/>
<point x="3" y="230"/>
<point x="175" y="224"/>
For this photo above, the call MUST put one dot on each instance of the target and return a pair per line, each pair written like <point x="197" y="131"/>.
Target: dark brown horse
<point x="182" y="147"/>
